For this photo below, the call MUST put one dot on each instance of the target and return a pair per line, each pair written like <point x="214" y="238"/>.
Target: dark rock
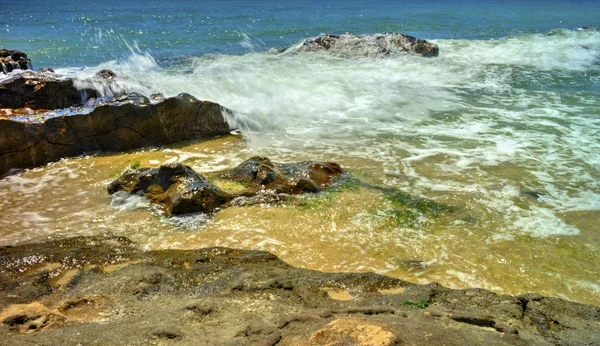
<point x="158" y="97"/>
<point x="106" y="74"/>
<point x="12" y="60"/>
<point x="110" y="126"/>
<point x="38" y="90"/>
<point x="246" y="297"/>
<point x="351" y="45"/>
<point x="177" y="188"/>
<point x="260" y="174"/>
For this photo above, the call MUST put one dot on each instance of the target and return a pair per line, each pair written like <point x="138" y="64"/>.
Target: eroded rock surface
<point x="109" y="125"/>
<point x="351" y="45"/>
<point x="120" y="294"/>
<point x="178" y="189"/>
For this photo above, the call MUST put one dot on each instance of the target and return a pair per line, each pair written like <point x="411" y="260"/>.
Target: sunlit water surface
<point x="478" y="168"/>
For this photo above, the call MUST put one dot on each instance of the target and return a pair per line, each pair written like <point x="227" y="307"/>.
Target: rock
<point x="260" y="174"/>
<point x="351" y="45"/>
<point x="158" y="97"/>
<point x="353" y="331"/>
<point x="222" y="296"/>
<point x="106" y="74"/>
<point x="110" y="126"/>
<point x="12" y="60"/>
<point x="38" y="90"/>
<point x="177" y="188"/>
<point x="10" y="112"/>
<point x="102" y="83"/>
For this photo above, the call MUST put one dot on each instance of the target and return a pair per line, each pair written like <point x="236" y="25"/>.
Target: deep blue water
<point x="65" y="33"/>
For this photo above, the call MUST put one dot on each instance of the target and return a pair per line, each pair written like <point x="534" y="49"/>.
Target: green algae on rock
<point x="178" y="189"/>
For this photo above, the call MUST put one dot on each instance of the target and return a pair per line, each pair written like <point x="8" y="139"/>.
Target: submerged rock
<point x="178" y="189"/>
<point x="260" y="174"/>
<point x="108" y="125"/>
<point x="13" y="60"/>
<point x="107" y="290"/>
<point x="366" y="45"/>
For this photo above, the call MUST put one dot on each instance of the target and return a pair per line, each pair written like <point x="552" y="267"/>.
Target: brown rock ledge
<point x="128" y="124"/>
<point x="105" y="290"/>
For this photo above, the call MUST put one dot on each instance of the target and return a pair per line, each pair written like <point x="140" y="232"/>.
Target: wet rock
<point x="15" y="112"/>
<point x="12" y="60"/>
<point x="109" y="126"/>
<point x="377" y="45"/>
<point x="37" y="90"/>
<point x="106" y="74"/>
<point x="177" y="188"/>
<point x="222" y="296"/>
<point x="158" y="97"/>
<point x="260" y="174"/>
<point x="104" y="83"/>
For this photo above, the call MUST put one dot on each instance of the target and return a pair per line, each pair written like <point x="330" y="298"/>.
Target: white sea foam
<point x="478" y="112"/>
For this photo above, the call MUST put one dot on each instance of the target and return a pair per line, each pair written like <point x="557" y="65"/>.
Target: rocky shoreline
<point x="45" y="116"/>
<point x="105" y="290"/>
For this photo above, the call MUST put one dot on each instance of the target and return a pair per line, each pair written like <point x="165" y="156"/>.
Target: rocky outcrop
<point x="106" y="290"/>
<point x="12" y="60"/>
<point x="108" y="125"/>
<point x="260" y="174"/>
<point x="38" y="90"/>
<point x="377" y="45"/>
<point x="178" y="189"/>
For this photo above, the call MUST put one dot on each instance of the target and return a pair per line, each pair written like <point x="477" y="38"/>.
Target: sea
<point x="476" y="168"/>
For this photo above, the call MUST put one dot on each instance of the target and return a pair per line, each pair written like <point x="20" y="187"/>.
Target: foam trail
<point x="479" y="107"/>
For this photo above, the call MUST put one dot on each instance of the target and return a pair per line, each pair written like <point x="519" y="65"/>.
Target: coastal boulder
<point x="176" y="188"/>
<point x="260" y="174"/>
<point x="350" y="45"/>
<point x="38" y="90"/>
<point x="107" y="125"/>
<point x="13" y="60"/>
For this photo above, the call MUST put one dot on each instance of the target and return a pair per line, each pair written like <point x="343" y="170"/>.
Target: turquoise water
<point x="503" y="125"/>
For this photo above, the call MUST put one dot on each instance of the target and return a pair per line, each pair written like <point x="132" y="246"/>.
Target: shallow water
<point x="456" y="237"/>
<point x="480" y="167"/>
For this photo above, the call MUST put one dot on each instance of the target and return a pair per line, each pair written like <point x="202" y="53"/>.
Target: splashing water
<point x="482" y="164"/>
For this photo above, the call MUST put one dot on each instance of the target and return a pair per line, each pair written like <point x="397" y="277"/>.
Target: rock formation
<point x="351" y="45"/>
<point x="260" y="174"/>
<point x="106" y="124"/>
<point x="38" y="90"/>
<point x="106" y="290"/>
<point x="13" y="60"/>
<point x="178" y="189"/>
